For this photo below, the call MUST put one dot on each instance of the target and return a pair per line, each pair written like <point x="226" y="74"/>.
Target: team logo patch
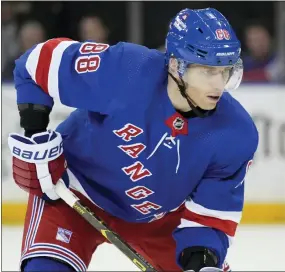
<point x="178" y="123"/>
<point x="63" y="235"/>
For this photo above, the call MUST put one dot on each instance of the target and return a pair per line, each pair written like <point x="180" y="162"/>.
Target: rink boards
<point x="265" y="182"/>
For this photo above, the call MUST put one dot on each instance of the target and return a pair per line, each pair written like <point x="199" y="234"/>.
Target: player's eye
<point x="226" y="73"/>
<point x="211" y="72"/>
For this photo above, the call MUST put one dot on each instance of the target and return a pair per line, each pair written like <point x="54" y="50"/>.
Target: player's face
<point x="205" y="84"/>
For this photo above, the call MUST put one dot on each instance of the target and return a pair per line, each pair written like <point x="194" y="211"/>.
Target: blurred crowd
<point x="25" y="24"/>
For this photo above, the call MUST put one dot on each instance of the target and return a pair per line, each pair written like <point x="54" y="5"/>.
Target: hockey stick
<point x="74" y="202"/>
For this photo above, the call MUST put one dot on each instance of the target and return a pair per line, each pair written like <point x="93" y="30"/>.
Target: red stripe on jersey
<point x="45" y="60"/>
<point x="227" y="226"/>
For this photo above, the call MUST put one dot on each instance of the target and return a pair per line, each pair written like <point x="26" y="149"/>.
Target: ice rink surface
<point x="255" y="248"/>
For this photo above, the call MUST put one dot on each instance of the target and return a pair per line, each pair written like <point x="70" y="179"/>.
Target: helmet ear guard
<point x="182" y="67"/>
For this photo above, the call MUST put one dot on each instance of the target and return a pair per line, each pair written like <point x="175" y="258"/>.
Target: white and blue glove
<point x="38" y="163"/>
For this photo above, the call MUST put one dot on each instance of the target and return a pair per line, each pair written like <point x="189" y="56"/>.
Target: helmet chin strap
<point x="182" y="89"/>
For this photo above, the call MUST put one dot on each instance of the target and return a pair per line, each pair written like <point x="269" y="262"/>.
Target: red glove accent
<point x="25" y="174"/>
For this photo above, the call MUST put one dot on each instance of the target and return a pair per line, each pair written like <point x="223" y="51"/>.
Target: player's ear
<point x="173" y="67"/>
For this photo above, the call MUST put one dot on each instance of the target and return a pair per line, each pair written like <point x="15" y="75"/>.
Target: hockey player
<point x="156" y="146"/>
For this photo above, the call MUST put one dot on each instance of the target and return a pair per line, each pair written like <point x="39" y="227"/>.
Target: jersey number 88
<point x="91" y="63"/>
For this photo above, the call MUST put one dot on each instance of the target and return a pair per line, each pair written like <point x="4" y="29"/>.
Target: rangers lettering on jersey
<point x="145" y="207"/>
<point x="133" y="150"/>
<point x="128" y="132"/>
<point x="136" y="171"/>
<point x="139" y="192"/>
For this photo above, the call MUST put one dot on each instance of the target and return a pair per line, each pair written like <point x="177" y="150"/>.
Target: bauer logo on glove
<point x="42" y="147"/>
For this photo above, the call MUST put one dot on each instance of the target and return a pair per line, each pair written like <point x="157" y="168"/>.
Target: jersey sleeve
<point x="84" y="75"/>
<point x="212" y="213"/>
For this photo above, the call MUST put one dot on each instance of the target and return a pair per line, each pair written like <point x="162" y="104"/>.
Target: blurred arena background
<point x="261" y="29"/>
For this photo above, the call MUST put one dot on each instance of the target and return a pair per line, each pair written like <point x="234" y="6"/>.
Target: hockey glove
<point x="38" y="163"/>
<point x="196" y="258"/>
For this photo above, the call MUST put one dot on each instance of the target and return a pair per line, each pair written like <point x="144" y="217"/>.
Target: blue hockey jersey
<point x="134" y="155"/>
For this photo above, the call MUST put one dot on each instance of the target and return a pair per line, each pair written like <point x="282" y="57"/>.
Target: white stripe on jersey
<point x="224" y="215"/>
<point x="184" y="223"/>
<point x="32" y="61"/>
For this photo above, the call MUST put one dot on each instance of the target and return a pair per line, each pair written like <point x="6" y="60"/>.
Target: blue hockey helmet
<point x="204" y="37"/>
